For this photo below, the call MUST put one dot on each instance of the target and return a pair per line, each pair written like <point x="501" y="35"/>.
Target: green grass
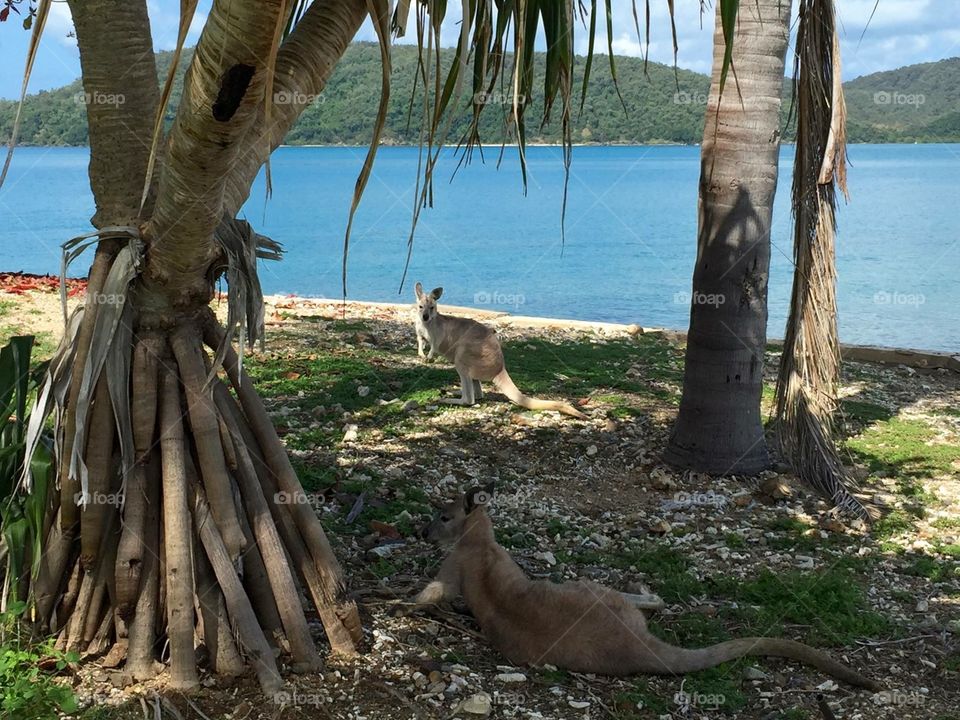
<point x="831" y="605"/>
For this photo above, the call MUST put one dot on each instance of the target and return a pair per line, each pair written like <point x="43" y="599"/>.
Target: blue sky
<point x="902" y="32"/>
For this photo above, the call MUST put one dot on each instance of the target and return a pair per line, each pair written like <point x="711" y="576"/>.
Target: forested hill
<point x="915" y="103"/>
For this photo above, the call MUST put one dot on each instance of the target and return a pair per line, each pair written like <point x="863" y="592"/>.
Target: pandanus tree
<point x="176" y="513"/>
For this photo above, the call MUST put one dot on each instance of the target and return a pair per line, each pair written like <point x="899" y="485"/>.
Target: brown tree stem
<point x="250" y="637"/>
<point x="70" y="486"/>
<point x="223" y="655"/>
<point x="331" y="587"/>
<point x="205" y="430"/>
<point x="177" y="536"/>
<point x="141" y="629"/>
<point x="98" y="503"/>
<point x="272" y="549"/>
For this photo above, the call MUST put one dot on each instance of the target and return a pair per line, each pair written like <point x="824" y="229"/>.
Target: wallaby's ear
<point x="418" y="289"/>
<point x="437" y="292"/>
<point x="477" y="496"/>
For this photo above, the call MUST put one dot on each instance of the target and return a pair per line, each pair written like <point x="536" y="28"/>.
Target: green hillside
<point x="915" y="103"/>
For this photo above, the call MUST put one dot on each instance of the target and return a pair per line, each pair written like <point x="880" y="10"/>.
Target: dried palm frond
<point x="242" y="246"/>
<point x="810" y="365"/>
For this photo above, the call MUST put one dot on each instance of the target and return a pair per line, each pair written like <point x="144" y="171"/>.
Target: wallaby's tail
<point x="505" y="384"/>
<point x="664" y="659"/>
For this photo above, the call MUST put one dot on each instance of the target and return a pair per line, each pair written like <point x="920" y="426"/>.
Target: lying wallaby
<point x="580" y="626"/>
<point x="475" y="352"/>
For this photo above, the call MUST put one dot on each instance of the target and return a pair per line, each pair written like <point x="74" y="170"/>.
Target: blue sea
<point x="630" y="239"/>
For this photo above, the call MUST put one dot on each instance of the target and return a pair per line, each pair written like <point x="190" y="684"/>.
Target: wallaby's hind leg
<point x="466" y="391"/>
<point x="477" y="391"/>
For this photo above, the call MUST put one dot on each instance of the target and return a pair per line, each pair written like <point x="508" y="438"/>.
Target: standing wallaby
<point x="580" y="626"/>
<point x="475" y="352"/>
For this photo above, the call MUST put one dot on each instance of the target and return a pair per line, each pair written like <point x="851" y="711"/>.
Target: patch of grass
<point x="26" y="691"/>
<point x="640" y="701"/>
<point x="933" y="569"/>
<point x="716" y="689"/>
<point x="831" y="604"/>
<point x="946" y="523"/>
<point x="585" y="367"/>
<point x="864" y="413"/>
<point x="555" y="676"/>
<point x="667" y="568"/>
<point x="908" y="450"/>
<point x="734" y="541"/>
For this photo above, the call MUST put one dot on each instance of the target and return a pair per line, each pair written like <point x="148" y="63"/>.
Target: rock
<point x="775" y="488"/>
<point x="633" y="330"/>
<point x="592" y="450"/>
<point x="742" y="499"/>
<point x="610" y="426"/>
<point x="410" y="406"/>
<point x="548" y="557"/>
<point x="478" y="704"/>
<point x="419" y="679"/>
<point x="514" y="677"/>
<point x="350" y="433"/>
<point x="804" y="562"/>
<point x="363" y="391"/>
<point x="922" y="606"/>
<point x="579" y="704"/>
<point x="752" y="673"/>
<point x="661" y="527"/>
<point x="437" y="688"/>
<point x="435" y="676"/>
<point x="827" y="686"/>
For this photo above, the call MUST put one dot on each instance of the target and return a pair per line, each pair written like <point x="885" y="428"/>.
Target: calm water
<point x="630" y="243"/>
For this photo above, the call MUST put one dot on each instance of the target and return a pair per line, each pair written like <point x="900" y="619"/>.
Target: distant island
<point x="917" y="103"/>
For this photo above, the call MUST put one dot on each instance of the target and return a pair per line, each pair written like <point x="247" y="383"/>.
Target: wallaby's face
<point x="427" y="302"/>
<point x="448" y="524"/>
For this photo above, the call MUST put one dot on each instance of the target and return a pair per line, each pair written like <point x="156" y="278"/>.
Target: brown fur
<point x="580" y="626"/>
<point x="475" y="352"/>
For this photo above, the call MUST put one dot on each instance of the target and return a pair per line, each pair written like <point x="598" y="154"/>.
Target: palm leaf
<point x="43" y="10"/>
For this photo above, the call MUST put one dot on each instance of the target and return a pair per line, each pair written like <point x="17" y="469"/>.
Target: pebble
<point x="478" y="704"/>
<point x="752" y="673"/>
<point x="350" y="433"/>
<point x="547" y="557"/>
<point x="579" y="704"/>
<point x="804" y="561"/>
<point x="922" y="606"/>
<point x="592" y="450"/>
<point x="512" y="677"/>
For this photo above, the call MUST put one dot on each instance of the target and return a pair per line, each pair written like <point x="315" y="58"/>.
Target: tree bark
<point x="304" y="64"/>
<point x="719" y="428"/>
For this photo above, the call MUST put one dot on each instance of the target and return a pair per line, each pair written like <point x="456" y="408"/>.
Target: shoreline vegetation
<point x="913" y="104"/>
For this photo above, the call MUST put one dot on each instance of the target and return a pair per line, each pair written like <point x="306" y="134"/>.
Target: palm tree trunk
<point x="719" y="429"/>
